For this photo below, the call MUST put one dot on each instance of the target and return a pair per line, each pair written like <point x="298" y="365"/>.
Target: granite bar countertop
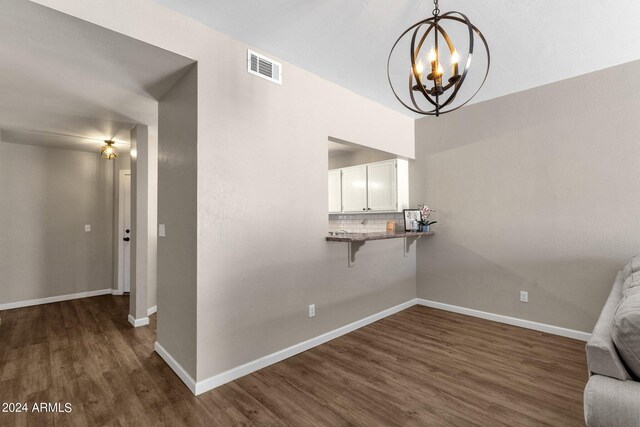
<point x="363" y="237"/>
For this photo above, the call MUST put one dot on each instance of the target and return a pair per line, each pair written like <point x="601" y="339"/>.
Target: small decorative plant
<point x="425" y="212"/>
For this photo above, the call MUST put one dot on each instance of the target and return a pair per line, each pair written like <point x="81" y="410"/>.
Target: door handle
<point x="126" y="239"/>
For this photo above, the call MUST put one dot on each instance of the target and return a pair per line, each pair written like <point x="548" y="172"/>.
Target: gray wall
<point x="536" y="191"/>
<point x="262" y="212"/>
<point x="47" y="195"/>
<point x="141" y="250"/>
<point x="177" y="209"/>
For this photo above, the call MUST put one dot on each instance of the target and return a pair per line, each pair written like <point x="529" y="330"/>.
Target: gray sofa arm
<point x="611" y="403"/>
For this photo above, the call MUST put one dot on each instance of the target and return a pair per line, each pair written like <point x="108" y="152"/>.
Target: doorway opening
<point x="71" y="86"/>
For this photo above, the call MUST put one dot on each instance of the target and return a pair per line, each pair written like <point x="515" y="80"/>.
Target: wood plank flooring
<point x="418" y="367"/>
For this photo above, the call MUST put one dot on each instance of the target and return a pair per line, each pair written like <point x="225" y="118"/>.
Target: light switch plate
<point x="161" y="230"/>
<point x="87" y="227"/>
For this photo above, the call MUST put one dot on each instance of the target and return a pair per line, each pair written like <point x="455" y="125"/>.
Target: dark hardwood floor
<point x="418" y="367"/>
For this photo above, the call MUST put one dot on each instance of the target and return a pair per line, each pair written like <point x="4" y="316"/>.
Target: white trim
<point x="542" y="327"/>
<point x="138" y="322"/>
<point x="117" y="292"/>
<point x="173" y="364"/>
<point x="247" y="368"/>
<point x="48" y="300"/>
<point x="152" y="310"/>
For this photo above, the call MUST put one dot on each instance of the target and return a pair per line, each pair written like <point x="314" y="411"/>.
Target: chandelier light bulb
<point x="433" y="58"/>
<point x="432" y="54"/>
<point x="455" y="57"/>
<point x="419" y="69"/>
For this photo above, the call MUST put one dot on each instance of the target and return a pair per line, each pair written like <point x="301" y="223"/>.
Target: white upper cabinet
<point x="374" y="187"/>
<point x="382" y="186"/>
<point x="354" y="189"/>
<point x="335" y="199"/>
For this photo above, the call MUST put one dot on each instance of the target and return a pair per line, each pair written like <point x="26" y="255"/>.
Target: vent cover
<point x="264" y="67"/>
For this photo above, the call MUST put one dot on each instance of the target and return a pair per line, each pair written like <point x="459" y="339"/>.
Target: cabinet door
<point x="335" y="199"/>
<point x="354" y="189"/>
<point x="382" y="187"/>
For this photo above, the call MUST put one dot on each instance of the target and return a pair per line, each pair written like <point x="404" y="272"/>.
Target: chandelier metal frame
<point x="437" y="95"/>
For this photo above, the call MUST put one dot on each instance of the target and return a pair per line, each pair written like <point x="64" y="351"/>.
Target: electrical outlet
<point x="524" y="296"/>
<point x="87" y="227"/>
<point x="312" y="310"/>
<point x="162" y="231"/>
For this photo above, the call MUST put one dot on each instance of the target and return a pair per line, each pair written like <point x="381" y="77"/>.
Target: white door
<point x="381" y="184"/>
<point x="354" y="189"/>
<point x="125" y="231"/>
<point x="335" y="199"/>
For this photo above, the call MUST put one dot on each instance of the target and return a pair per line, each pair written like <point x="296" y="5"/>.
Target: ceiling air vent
<point x="264" y="67"/>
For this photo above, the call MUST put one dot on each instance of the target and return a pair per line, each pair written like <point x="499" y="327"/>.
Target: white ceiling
<point x="67" y="83"/>
<point x="532" y="42"/>
<point x="65" y="141"/>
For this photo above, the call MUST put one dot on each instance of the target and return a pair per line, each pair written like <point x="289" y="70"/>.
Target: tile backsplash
<point x="364" y="223"/>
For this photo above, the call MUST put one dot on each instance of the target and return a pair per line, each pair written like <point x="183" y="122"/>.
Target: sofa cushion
<point x="626" y="330"/>
<point x="602" y="356"/>
<point x="609" y="402"/>
<point x="632" y="267"/>
<point x="632" y="281"/>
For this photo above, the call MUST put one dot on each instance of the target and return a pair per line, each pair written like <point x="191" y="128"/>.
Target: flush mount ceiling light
<point x="109" y="152"/>
<point x="435" y="93"/>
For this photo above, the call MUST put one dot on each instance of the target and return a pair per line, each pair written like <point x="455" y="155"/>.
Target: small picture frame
<point x="411" y="215"/>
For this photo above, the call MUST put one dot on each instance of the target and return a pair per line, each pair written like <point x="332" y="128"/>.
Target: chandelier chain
<point x="436" y="8"/>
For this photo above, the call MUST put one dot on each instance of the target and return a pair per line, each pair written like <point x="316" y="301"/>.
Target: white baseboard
<point x="173" y="364"/>
<point x="152" y="310"/>
<point x="48" y="300"/>
<point x="138" y="322"/>
<point x="200" y="387"/>
<point x="247" y="368"/>
<point x="117" y="292"/>
<point x="542" y="327"/>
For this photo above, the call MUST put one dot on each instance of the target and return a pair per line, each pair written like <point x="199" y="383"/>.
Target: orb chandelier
<point x="109" y="152"/>
<point x="437" y="87"/>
